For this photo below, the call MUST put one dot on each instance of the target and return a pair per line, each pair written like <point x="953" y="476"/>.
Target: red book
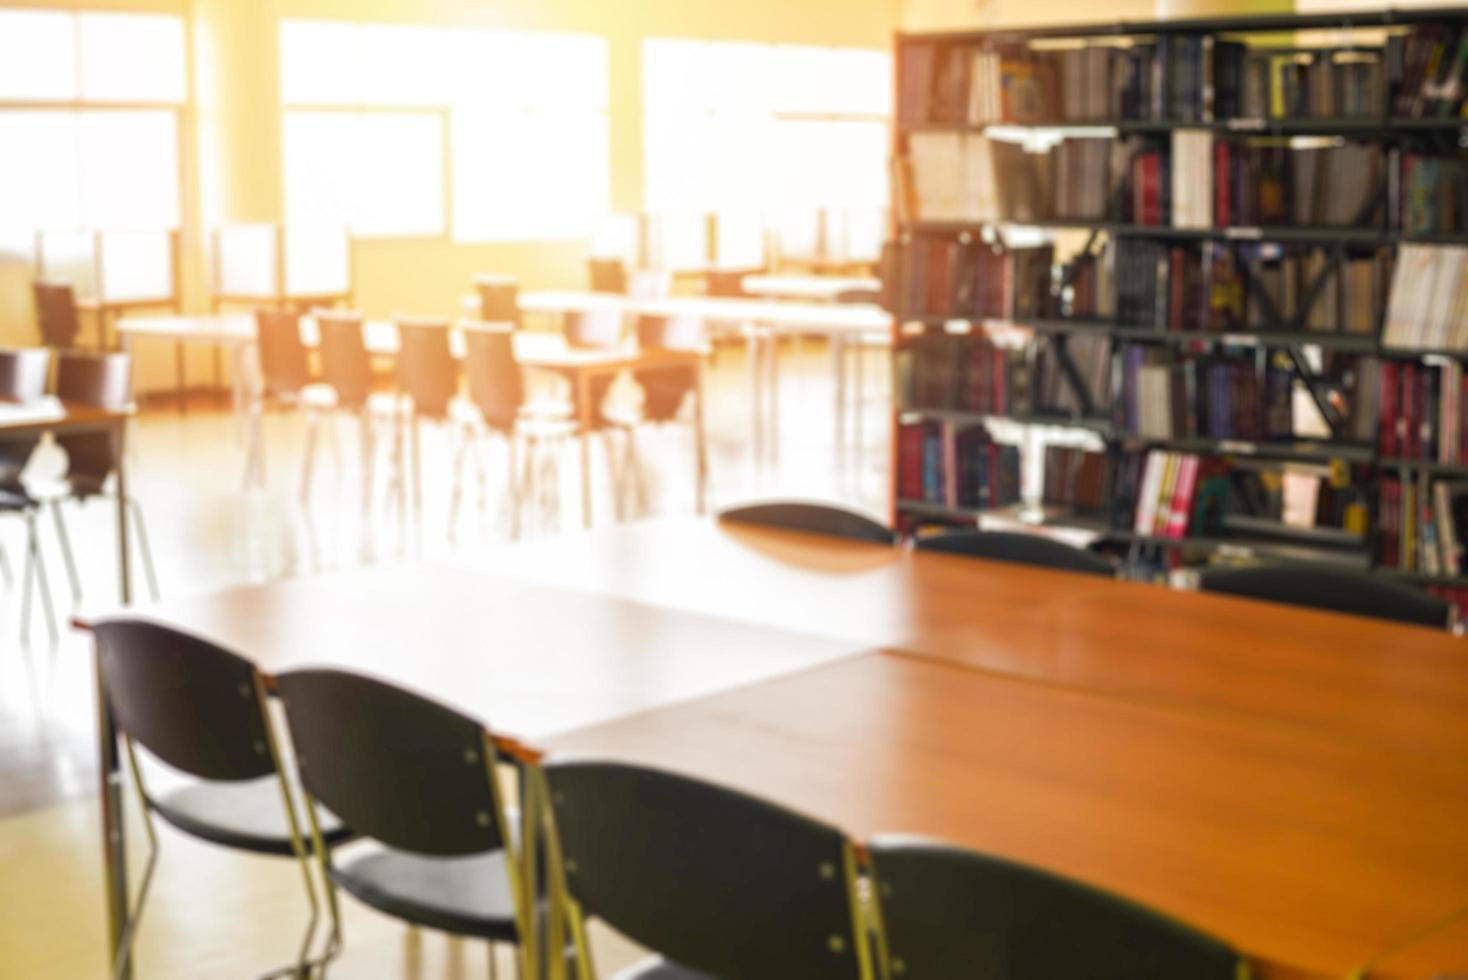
<point x="1386" y="433"/>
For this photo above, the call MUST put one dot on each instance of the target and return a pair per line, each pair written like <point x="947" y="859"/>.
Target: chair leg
<point x="123" y="954"/>
<point x="144" y="548"/>
<point x="67" y="556"/>
<point x="37" y="565"/>
<point x="313" y="423"/>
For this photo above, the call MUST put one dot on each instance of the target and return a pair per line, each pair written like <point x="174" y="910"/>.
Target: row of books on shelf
<point x="967" y="373"/>
<point x="1223" y="287"/>
<point x="957" y="467"/>
<point x="1191" y="180"/>
<point x="1163" y="397"/>
<point x="1192" y="77"/>
<point x="1428" y="309"/>
<point x="1420" y="411"/>
<point x="1421" y="525"/>
<point x="948" y="277"/>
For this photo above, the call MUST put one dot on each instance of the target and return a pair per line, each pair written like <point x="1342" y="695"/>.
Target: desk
<point x="1359" y="679"/>
<point x="1307" y="853"/>
<point x="528" y="659"/>
<point x="1442" y="954"/>
<point x="826" y="288"/>
<point x="768" y="320"/>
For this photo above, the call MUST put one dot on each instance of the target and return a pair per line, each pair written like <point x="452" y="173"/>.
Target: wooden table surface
<point x="1307" y="852"/>
<point x="1359" y="679"/>
<point x="528" y="659"/>
<point x="1442" y="954"/>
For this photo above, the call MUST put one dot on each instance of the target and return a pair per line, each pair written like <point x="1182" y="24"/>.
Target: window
<point x="790" y="128"/>
<point x="92" y="98"/>
<point x="390" y="128"/>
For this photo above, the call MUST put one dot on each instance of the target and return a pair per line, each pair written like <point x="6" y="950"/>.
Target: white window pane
<point x="129" y="169"/>
<point x="132" y="57"/>
<point x="320" y="62"/>
<point x="556" y="184"/>
<point x="38" y="188"/>
<point x="404" y="65"/>
<point x="318" y="260"/>
<point x="137" y="265"/>
<point x="37" y="55"/>
<point x="245" y="260"/>
<point x="399" y="187"/>
<point x="379" y="173"/>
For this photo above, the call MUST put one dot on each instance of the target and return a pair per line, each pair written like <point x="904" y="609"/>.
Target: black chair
<point x="718" y="884"/>
<point x="419" y="781"/>
<point x="23" y="376"/>
<point x="816" y="518"/>
<point x="499" y="299"/>
<point x="497" y="406"/>
<point x="103" y="381"/>
<point x="285" y="379"/>
<point x="1333" y="589"/>
<point x="202" y="710"/>
<point x="1017" y="547"/>
<point x="56" y="314"/>
<point x="949" y="914"/>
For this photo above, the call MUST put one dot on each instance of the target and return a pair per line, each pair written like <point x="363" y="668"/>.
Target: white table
<point x="765" y="321"/>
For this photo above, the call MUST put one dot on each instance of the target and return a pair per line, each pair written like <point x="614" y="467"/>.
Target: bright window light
<point x="38" y="51"/>
<point x="132" y="58"/>
<point x="378" y="173"/>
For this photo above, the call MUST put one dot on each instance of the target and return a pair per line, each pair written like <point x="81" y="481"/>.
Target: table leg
<point x="181" y="383"/>
<point x="583" y="410"/>
<point x="838" y="371"/>
<point x="114" y="837"/>
<point x="701" y="439"/>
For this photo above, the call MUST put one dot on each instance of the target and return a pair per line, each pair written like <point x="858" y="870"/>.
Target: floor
<point x="215" y="913"/>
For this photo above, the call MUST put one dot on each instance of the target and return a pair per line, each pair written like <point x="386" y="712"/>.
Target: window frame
<point x="79" y="105"/>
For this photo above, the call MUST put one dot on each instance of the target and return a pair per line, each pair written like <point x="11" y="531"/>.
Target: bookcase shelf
<point x="1201" y="367"/>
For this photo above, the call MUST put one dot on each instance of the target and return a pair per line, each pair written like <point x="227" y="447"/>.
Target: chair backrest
<point x="392" y="765"/>
<point x="345" y="364"/>
<point x="23" y="376"/>
<point x="720" y="882"/>
<point x="103" y="381"/>
<point x="818" y="518"/>
<point x="664" y="389"/>
<point x="499" y="299"/>
<point x="495" y="385"/>
<point x="192" y="704"/>
<point x="1334" y="589"/>
<point x="1023" y="549"/>
<point x="608" y="275"/>
<point x="427" y="371"/>
<point x="950" y="914"/>
<point x="284" y="369"/>
<point x="56" y="314"/>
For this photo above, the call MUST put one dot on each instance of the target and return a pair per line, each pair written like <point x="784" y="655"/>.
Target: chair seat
<point x="468" y="896"/>
<point x="657" y="968"/>
<point x="248" y="815"/>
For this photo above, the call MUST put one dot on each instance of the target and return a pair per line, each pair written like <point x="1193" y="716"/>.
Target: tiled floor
<point x="215" y="913"/>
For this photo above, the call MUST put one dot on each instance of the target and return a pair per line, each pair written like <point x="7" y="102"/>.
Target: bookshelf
<point x="1183" y="239"/>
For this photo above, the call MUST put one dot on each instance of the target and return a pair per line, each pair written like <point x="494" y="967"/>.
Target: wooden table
<point x="1359" y="679"/>
<point x="528" y="659"/>
<point x="1308" y="853"/>
<point x="1292" y="781"/>
<point x="1442" y="954"/>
